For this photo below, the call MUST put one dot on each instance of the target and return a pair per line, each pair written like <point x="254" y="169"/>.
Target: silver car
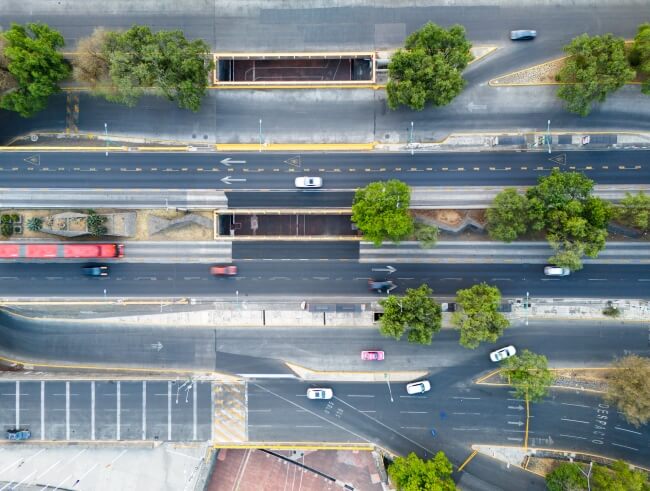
<point x="556" y="271"/>
<point x="523" y="35"/>
<point x="308" y="182"/>
<point x="503" y="353"/>
<point x="322" y="393"/>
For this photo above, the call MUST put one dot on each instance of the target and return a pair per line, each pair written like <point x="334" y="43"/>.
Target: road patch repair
<point x="247" y="70"/>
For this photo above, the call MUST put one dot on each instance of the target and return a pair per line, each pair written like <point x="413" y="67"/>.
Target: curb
<point x="351" y="376"/>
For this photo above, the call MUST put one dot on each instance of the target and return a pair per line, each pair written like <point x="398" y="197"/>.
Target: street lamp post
<point x="411" y="138"/>
<point x="526" y="306"/>
<point x="261" y="138"/>
<point x="237" y="296"/>
<point x="389" y="390"/>
<point x="548" y="135"/>
<point x="106" y="136"/>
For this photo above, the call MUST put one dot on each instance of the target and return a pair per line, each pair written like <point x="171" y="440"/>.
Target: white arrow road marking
<point x="518" y="423"/>
<point x="389" y="269"/>
<point x="228" y="180"/>
<point x="228" y="160"/>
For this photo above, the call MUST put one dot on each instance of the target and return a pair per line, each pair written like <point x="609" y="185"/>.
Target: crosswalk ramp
<point x="230" y="403"/>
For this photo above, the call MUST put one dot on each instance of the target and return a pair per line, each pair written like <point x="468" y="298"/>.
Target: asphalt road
<point x="276" y="279"/>
<point x="340" y="171"/>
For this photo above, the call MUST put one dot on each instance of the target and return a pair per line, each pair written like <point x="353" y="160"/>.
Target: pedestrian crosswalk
<point x="230" y="404"/>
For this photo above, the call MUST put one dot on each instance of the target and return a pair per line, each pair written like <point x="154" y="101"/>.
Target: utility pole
<point x="411" y="138"/>
<point x="548" y="135"/>
<point x="106" y="136"/>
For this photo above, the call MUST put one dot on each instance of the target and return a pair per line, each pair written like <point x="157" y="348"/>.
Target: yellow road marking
<point x="467" y="460"/>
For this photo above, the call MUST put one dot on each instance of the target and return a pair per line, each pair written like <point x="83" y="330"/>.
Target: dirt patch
<point x="540" y="465"/>
<point x="189" y="232"/>
<point x="587" y="379"/>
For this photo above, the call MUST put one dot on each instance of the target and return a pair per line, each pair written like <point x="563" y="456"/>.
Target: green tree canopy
<point x="596" y="67"/>
<point x="575" y="222"/>
<point x="566" y="477"/>
<point x="381" y="211"/>
<point x="35" y="65"/>
<point x="415" y="312"/>
<point x="164" y="61"/>
<point x="477" y="317"/>
<point x="628" y="387"/>
<point x="640" y="55"/>
<point x="411" y="473"/>
<point x="426" y="234"/>
<point x="507" y="218"/>
<point x="528" y="374"/>
<point x="635" y="211"/>
<point x="429" y="68"/>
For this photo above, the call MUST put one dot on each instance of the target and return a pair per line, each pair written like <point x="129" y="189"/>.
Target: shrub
<point x="35" y="224"/>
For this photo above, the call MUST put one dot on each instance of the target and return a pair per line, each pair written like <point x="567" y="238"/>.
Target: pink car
<point x="372" y="355"/>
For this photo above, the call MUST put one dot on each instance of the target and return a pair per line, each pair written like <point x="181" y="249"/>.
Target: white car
<point x="418" y="387"/>
<point x="503" y="353"/>
<point x="556" y="271"/>
<point x="308" y="182"/>
<point x="320" y="393"/>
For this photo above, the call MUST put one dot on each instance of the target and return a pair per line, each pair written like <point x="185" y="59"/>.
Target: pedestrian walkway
<point x="482" y="252"/>
<point x="178" y="252"/>
<point x="230" y="413"/>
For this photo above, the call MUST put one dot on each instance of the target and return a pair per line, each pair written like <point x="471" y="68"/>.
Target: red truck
<point x="60" y="250"/>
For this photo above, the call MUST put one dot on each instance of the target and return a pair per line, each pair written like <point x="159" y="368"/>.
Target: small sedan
<point x="523" y="35"/>
<point x="372" y="355"/>
<point x="228" y="270"/>
<point x="95" y="270"/>
<point x="556" y="271"/>
<point x="308" y="182"/>
<point x="321" y="393"/>
<point x="503" y="353"/>
<point x="418" y="387"/>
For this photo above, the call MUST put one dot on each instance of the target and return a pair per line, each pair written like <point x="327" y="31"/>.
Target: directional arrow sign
<point x="520" y="407"/>
<point x="229" y="180"/>
<point x="227" y="161"/>
<point x="391" y="288"/>
<point x="33" y="159"/>
<point x="388" y="269"/>
<point x="559" y="159"/>
<point x="518" y="423"/>
<point x="157" y="346"/>
<point x="294" y="161"/>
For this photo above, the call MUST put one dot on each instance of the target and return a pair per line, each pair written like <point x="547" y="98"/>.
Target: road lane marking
<point x="469" y="414"/>
<point x="625" y="446"/>
<point x="413" y="427"/>
<point x="576" y="405"/>
<point x="468" y="398"/>
<point x="466" y="429"/>
<point x="575" y="421"/>
<point x="596" y="279"/>
<point x="501" y="279"/>
<point x="144" y="409"/>
<point x="367" y="411"/>
<point x="67" y="410"/>
<point x="629" y="431"/>
<point x="574" y="436"/>
<point x="360" y="395"/>
<point x="514" y="439"/>
<point x="92" y="410"/>
<point x="308" y="426"/>
<point x="413" y="412"/>
<point x="118" y="404"/>
<point x="42" y="410"/>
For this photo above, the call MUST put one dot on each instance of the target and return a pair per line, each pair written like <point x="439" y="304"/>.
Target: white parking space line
<point x="17" y="404"/>
<point x="469" y="414"/>
<point x="413" y="427"/>
<point x="413" y="412"/>
<point x="144" y="409"/>
<point x="119" y="404"/>
<point x="42" y="410"/>
<point x="38" y="478"/>
<point x="573" y="436"/>
<point x="629" y="431"/>
<point x="575" y="405"/>
<point x="625" y="446"/>
<point x="466" y="429"/>
<point x="367" y="411"/>
<point x="308" y="426"/>
<point x="194" y="413"/>
<point x="67" y="410"/>
<point x="169" y="410"/>
<point x="360" y="395"/>
<point x="92" y="410"/>
<point x="575" y="421"/>
<point x="472" y="398"/>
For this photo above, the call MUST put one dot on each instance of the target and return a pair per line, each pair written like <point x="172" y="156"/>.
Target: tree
<point x="381" y="211"/>
<point x="429" y="68"/>
<point x="640" y="55"/>
<point x="7" y="80"/>
<point x="165" y="62"/>
<point x="507" y="218"/>
<point x="477" y="317"/>
<point x="596" y="67"/>
<point x="529" y="375"/>
<point x="416" y="312"/>
<point x="575" y="222"/>
<point x="628" y="388"/>
<point x="618" y="477"/>
<point x="95" y="224"/>
<point x="635" y="211"/>
<point x="566" y="477"/>
<point x="35" y="65"/>
<point x="90" y="64"/>
<point x="35" y="224"/>
<point x="426" y="234"/>
<point x="414" y="474"/>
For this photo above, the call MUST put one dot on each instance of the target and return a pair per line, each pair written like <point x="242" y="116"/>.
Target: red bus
<point x="60" y="250"/>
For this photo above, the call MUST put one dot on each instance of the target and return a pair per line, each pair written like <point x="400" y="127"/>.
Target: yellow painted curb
<point x="467" y="460"/>
<point x="295" y="445"/>
<point x="351" y="376"/>
<point x="298" y="147"/>
<point x="24" y="363"/>
<point x="490" y="49"/>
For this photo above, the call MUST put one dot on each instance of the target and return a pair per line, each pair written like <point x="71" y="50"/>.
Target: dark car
<point x="381" y="286"/>
<point x="95" y="270"/>
<point x="523" y="35"/>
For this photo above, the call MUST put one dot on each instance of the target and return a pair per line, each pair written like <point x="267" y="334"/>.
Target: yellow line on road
<point x="467" y="460"/>
<point x="286" y="147"/>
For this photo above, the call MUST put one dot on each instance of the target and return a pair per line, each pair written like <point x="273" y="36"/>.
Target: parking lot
<point x="166" y="410"/>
